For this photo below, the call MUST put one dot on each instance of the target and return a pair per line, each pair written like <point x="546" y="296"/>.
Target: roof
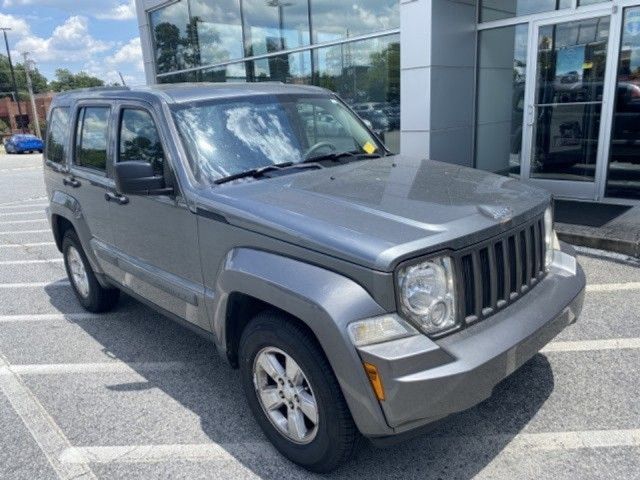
<point x="188" y="92"/>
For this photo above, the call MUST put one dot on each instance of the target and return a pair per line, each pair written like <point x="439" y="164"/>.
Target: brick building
<point x="9" y="111"/>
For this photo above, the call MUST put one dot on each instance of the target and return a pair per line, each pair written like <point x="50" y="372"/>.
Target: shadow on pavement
<point x="458" y="447"/>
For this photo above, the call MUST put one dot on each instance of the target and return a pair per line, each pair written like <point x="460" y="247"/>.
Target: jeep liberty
<point x="361" y="294"/>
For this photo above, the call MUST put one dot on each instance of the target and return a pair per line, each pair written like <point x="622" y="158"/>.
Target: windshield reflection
<point x="231" y="136"/>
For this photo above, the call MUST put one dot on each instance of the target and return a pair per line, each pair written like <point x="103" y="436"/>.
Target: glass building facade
<point x="352" y="49"/>
<point x="547" y="91"/>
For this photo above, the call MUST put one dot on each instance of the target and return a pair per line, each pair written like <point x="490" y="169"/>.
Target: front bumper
<point x="426" y="380"/>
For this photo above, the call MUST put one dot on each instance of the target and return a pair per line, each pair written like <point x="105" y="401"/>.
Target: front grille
<point x="497" y="272"/>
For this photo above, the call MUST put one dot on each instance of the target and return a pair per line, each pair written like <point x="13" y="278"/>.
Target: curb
<point x="625" y="247"/>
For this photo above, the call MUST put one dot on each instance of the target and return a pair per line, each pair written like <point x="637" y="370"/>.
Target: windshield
<point x="232" y="136"/>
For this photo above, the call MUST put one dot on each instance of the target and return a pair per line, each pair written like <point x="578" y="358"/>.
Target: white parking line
<point x="524" y="442"/>
<point x="28" y="205"/>
<point x="613" y="287"/>
<point x="61" y="283"/>
<point x="16" y="245"/>
<point x="31" y="262"/>
<point x="593" y="345"/>
<point x="160" y="453"/>
<point x="97" y="367"/>
<point x="51" y="317"/>
<point x="23" y="202"/>
<point x="46" y="433"/>
<point x="13" y="214"/>
<point x="15" y="222"/>
<point x="13" y="232"/>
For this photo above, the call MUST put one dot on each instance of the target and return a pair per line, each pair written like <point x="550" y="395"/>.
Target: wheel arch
<point x="322" y="301"/>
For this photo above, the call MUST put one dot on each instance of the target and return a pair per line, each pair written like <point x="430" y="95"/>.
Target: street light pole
<point x="13" y="75"/>
<point x="27" y="68"/>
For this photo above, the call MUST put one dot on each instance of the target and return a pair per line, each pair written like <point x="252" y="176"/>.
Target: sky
<point x="99" y="37"/>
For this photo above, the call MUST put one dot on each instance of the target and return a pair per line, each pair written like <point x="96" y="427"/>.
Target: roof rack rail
<point x="95" y="89"/>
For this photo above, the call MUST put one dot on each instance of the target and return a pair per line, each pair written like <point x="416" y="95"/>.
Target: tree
<point x="39" y="81"/>
<point x="65" y="80"/>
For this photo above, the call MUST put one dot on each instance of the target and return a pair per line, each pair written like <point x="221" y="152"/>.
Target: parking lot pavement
<point x="130" y="394"/>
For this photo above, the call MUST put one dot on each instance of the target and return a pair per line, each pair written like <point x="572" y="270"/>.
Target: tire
<point x="334" y="439"/>
<point x="91" y="295"/>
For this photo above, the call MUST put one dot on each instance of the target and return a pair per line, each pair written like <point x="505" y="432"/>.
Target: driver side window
<point x="139" y="139"/>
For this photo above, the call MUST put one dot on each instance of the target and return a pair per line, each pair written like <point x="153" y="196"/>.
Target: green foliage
<point x="3" y="126"/>
<point x="65" y="80"/>
<point x="38" y="80"/>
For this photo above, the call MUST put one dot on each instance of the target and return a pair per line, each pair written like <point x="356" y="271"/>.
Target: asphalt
<point x="130" y="394"/>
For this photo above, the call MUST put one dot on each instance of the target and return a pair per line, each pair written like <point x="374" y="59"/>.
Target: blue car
<point x="21" y="143"/>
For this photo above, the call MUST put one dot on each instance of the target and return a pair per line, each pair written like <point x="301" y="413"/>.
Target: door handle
<point x="71" y="182"/>
<point x="114" y="197"/>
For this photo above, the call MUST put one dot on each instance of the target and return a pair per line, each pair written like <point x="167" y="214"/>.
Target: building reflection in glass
<point x="623" y="179"/>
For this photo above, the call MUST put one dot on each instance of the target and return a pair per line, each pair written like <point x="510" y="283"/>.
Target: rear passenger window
<point x="139" y="139"/>
<point x="91" y="137"/>
<point x="57" y="135"/>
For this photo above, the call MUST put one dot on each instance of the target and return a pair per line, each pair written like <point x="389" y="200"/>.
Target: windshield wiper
<point x="337" y="156"/>
<point x="261" y="171"/>
<point x="254" y="172"/>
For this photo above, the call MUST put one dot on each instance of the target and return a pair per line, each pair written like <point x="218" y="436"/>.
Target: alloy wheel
<point x="79" y="275"/>
<point x="285" y="395"/>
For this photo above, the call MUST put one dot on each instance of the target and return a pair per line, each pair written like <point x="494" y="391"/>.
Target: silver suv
<point x="360" y="293"/>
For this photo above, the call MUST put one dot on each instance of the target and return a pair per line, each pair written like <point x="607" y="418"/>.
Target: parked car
<point x="377" y="119"/>
<point x="359" y="293"/>
<point x="23" y="143"/>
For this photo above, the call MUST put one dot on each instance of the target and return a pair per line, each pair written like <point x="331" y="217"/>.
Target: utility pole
<point x="13" y="75"/>
<point x="27" y="68"/>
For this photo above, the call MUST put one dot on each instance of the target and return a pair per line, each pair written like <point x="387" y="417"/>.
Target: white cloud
<point x="69" y="42"/>
<point x="17" y="25"/>
<point x="127" y="59"/>
<point x="124" y="11"/>
<point x="103" y="9"/>
<point x="128" y="54"/>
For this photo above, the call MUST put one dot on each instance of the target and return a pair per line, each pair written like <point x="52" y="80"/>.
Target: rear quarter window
<point x="57" y="134"/>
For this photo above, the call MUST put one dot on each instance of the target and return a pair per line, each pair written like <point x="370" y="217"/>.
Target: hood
<point x="376" y="213"/>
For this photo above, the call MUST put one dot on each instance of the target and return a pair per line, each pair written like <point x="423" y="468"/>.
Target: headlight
<point x="550" y="239"/>
<point x="379" y="329"/>
<point x="427" y="295"/>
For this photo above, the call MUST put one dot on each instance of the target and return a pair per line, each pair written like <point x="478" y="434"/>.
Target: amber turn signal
<point x="375" y="380"/>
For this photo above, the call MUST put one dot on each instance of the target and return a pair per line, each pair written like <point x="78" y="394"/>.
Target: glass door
<point x="566" y="100"/>
<point x="623" y="170"/>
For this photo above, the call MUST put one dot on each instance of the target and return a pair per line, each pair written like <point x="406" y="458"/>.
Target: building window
<point x="335" y="19"/>
<point x="217" y="30"/>
<point x="502" y="66"/>
<point x="172" y="38"/>
<point x="274" y="25"/>
<point x="366" y="74"/>
<point x="582" y="3"/>
<point x="501" y="9"/>
<point x="292" y="68"/>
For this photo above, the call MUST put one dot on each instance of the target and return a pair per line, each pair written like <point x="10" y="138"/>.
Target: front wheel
<point x="91" y="295"/>
<point x="294" y="395"/>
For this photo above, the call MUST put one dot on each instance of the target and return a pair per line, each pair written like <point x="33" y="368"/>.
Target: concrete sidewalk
<point x="608" y="227"/>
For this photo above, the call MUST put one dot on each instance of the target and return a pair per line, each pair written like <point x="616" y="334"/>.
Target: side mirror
<point x="138" y="178"/>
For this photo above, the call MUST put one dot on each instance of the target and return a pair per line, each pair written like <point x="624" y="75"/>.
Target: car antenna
<point x="124" y="84"/>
